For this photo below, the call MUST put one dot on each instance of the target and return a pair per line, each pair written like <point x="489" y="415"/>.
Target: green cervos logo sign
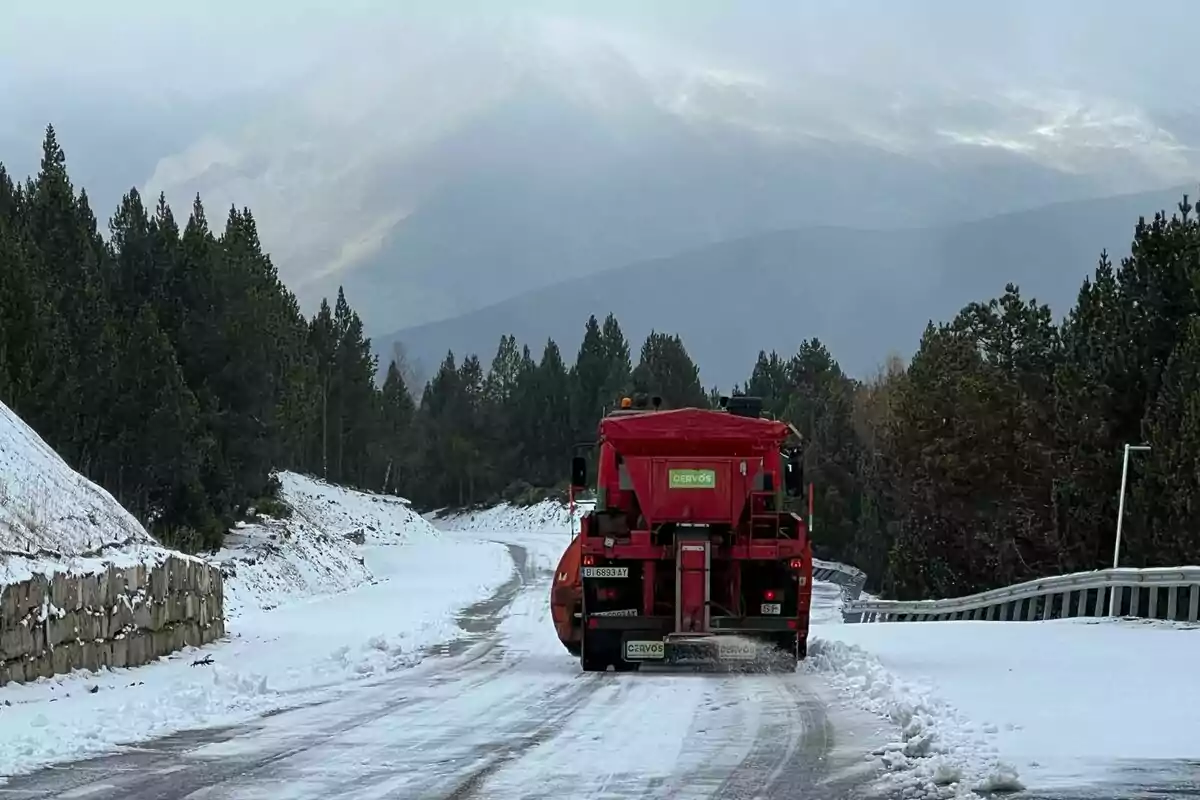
<point x="692" y="478"/>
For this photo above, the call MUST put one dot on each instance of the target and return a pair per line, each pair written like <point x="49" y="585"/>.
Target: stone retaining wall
<point x="122" y="617"/>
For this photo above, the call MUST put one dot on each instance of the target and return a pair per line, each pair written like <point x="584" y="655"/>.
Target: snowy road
<point x="504" y="712"/>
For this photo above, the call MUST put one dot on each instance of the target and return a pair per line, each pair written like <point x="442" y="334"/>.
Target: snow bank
<point x="989" y="706"/>
<point x="385" y="519"/>
<point x="312" y="552"/>
<point x="939" y="752"/>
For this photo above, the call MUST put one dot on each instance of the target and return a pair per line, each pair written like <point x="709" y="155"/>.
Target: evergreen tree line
<point x="170" y="365"/>
<point x="993" y="457"/>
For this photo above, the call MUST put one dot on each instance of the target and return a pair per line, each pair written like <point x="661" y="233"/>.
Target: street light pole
<point x="1112" y="597"/>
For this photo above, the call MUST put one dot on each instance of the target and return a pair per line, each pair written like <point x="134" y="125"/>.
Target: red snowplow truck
<point x="689" y="556"/>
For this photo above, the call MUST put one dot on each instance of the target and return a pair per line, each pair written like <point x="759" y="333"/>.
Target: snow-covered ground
<point x="309" y="610"/>
<point x="275" y="658"/>
<point x="1053" y="704"/>
<point x="1047" y="706"/>
<point x="940" y="709"/>
<point x="979" y="707"/>
<point x="312" y="552"/>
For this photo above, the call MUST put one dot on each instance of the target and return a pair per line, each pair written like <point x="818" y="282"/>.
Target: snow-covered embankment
<point x="308" y="607"/>
<point x="82" y="585"/>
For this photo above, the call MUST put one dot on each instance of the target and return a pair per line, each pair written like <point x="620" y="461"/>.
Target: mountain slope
<point x="582" y="205"/>
<point x="863" y="292"/>
<point x="432" y="175"/>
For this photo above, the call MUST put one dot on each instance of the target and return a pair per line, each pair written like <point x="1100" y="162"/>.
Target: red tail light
<point x="769" y="595"/>
<point x="796" y="563"/>
<point x="589" y="560"/>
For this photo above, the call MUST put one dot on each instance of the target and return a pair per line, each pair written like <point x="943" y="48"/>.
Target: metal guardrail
<point x="850" y="579"/>
<point x="1167" y="593"/>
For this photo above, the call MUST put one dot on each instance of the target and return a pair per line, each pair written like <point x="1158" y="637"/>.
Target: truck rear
<point x="689" y="555"/>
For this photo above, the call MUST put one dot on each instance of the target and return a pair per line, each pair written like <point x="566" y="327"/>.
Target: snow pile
<point x="939" y="752"/>
<point x="548" y="515"/>
<point x="312" y="552"/>
<point x="47" y="508"/>
<point x="1068" y="702"/>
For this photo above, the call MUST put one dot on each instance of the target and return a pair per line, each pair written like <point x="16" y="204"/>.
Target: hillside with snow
<point x="48" y="508"/>
<point x="52" y="519"/>
<point x="310" y="611"/>
<point x="315" y="550"/>
<point x="548" y="515"/>
<point x="345" y="586"/>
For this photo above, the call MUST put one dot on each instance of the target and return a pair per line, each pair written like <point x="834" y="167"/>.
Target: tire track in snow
<point x="790" y="748"/>
<point x="507" y="715"/>
<point x="138" y="772"/>
<point x="681" y="736"/>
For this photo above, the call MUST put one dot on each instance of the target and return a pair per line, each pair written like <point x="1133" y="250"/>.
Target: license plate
<point x="645" y="649"/>
<point x="772" y="608"/>
<point x="735" y="651"/>
<point x="606" y="572"/>
<point x="624" y="612"/>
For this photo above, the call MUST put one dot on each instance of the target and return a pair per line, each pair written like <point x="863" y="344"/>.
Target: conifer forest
<point x="168" y="363"/>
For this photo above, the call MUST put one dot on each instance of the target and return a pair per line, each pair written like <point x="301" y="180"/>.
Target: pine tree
<point x="589" y="377"/>
<point x="1168" y="496"/>
<point x="666" y="370"/>
<point x="616" y="354"/>
<point x="397" y="413"/>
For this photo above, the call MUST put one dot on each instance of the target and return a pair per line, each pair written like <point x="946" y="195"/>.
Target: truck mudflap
<point x="752" y="651"/>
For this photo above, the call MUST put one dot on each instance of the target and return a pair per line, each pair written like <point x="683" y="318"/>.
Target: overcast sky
<point x="321" y="115"/>
<point x="129" y="83"/>
<point x="210" y="47"/>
